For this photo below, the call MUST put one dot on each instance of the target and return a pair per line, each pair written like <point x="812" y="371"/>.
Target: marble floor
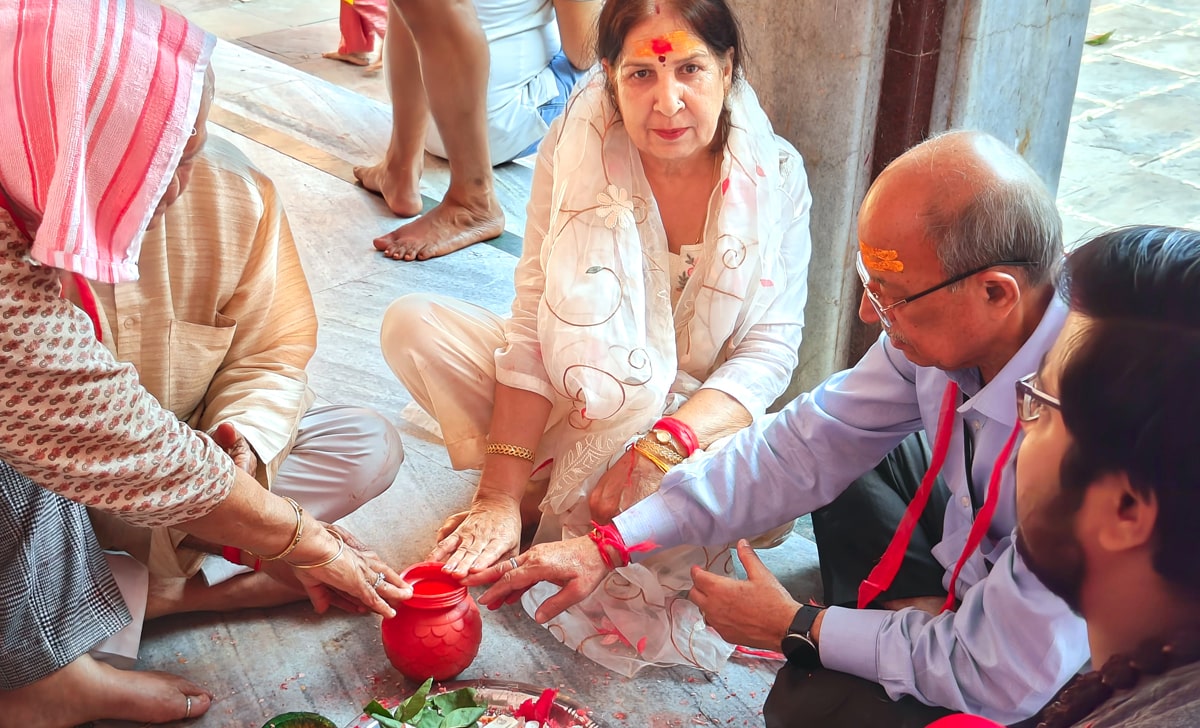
<point x="1133" y="155"/>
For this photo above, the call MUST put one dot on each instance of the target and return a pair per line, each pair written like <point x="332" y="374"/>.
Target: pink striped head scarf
<point x="97" y="99"/>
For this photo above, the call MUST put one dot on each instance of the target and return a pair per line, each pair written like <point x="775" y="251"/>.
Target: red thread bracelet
<point x="234" y="556"/>
<point x="682" y="432"/>
<point x="608" y="535"/>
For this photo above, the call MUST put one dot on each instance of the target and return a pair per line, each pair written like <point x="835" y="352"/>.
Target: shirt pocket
<point x="196" y="354"/>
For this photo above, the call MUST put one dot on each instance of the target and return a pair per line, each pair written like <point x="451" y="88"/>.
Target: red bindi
<point x="660" y="46"/>
<point x="662" y="59"/>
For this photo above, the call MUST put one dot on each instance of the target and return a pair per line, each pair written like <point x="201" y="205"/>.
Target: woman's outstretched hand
<point x="628" y="481"/>
<point x="357" y="580"/>
<point x="575" y="565"/>
<point x="477" y="538"/>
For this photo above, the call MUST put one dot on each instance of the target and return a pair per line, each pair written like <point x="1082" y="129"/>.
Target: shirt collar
<point x="997" y="400"/>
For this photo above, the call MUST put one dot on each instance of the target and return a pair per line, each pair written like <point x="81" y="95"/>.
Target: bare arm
<point x="491" y="528"/>
<point x="577" y="28"/>
<point x="713" y="414"/>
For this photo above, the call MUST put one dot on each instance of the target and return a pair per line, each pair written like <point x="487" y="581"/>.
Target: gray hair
<point x="1010" y="216"/>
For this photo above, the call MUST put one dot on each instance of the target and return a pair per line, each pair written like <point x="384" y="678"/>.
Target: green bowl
<point x="299" y="720"/>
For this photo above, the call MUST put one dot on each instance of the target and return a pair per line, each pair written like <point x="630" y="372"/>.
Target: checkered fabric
<point x="58" y="598"/>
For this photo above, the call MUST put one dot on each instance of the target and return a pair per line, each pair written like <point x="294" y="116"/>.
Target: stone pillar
<point x="1009" y="68"/>
<point x="816" y="68"/>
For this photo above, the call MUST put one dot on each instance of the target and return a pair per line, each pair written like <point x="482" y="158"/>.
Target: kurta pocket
<point x="196" y="354"/>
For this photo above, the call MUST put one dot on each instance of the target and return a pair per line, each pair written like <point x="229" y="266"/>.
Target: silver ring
<point x="187" y="712"/>
<point x="378" y="580"/>
<point x="513" y="560"/>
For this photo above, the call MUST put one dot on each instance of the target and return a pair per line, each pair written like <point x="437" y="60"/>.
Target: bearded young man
<point x="1108" y="477"/>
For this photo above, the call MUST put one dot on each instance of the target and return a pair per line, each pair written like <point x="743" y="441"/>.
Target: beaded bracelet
<point x="516" y="451"/>
<point x="341" y="547"/>
<point x="295" y="539"/>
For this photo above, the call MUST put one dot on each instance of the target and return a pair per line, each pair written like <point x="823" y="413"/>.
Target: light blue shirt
<point x="1011" y="644"/>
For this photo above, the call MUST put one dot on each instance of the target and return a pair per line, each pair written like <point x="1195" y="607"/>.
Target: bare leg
<point x="245" y="591"/>
<point x="398" y="176"/>
<point x="87" y="690"/>
<point x="455" y="62"/>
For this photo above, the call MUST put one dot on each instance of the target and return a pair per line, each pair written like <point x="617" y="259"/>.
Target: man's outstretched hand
<point x="756" y="612"/>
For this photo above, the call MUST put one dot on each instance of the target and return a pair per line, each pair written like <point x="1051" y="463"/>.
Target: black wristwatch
<point x="798" y="646"/>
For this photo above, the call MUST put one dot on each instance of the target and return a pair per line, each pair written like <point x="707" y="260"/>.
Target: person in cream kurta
<point x="220" y="327"/>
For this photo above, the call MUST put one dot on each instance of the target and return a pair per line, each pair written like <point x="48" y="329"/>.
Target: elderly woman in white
<point x="659" y="306"/>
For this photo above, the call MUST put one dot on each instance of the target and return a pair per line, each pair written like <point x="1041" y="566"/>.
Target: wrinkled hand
<point x="575" y="565"/>
<point x="234" y="445"/>
<point x="473" y="540"/>
<point x="755" y="613"/>
<point x="628" y="481"/>
<point x="349" y="580"/>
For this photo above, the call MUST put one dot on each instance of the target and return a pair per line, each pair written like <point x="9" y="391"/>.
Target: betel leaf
<point x="415" y="703"/>
<point x="1099" y="38"/>
<point x="428" y="719"/>
<point x="386" y="722"/>
<point x="374" y="708"/>
<point x="462" y="717"/>
<point x="454" y="699"/>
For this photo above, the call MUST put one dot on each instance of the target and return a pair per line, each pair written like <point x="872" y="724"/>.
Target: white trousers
<point x="443" y="351"/>
<point x="342" y="458"/>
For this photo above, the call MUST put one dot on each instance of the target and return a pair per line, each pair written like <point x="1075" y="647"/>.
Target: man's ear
<point x="1002" y="290"/>
<point x="1127" y="516"/>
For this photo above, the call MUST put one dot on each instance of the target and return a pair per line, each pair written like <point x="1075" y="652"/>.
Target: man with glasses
<point x="932" y="610"/>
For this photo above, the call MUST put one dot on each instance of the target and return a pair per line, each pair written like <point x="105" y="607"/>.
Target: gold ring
<point x="187" y="711"/>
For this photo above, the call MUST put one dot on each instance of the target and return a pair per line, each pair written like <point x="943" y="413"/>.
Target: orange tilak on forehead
<point x="887" y="261"/>
<point x="677" y="41"/>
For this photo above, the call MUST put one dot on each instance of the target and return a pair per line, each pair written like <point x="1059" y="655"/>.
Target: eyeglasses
<point x="882" y="311"/>
<point x="1031" y="400"/>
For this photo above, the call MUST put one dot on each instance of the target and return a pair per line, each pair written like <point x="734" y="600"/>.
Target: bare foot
<point x="444" y="229"/>
<point x="244" y="591"/>
<point x="400" y="190"/>
<point x="101" y="692"/>
<point x="376" y="66"/>
<point x="357" y="59"/>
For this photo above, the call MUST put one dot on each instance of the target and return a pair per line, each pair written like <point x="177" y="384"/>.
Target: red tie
<point x="884" y="573"/>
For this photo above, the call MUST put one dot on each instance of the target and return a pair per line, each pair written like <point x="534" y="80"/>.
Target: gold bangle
<point x="341" y="547"/>
<point x="295" y="538"/>
<point x="657" y="454"/>
<point x="500" y="448"/>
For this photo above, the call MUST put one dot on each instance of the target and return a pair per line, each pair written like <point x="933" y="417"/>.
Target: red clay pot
<point x="437" y="632"/>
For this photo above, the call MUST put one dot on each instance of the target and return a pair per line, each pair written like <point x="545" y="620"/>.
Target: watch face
<point x="662" y="436"/>
<point x="800" y="651"/>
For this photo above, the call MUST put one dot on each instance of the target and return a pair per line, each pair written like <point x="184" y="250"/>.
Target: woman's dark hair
<point x="1129" y="400"/>
<point x="1129" y="387"/>
<point x="712" y="20"/>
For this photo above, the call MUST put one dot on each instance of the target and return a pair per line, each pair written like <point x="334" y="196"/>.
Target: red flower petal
<point x="766" y="283"/>
<point x="724" y="185"/>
